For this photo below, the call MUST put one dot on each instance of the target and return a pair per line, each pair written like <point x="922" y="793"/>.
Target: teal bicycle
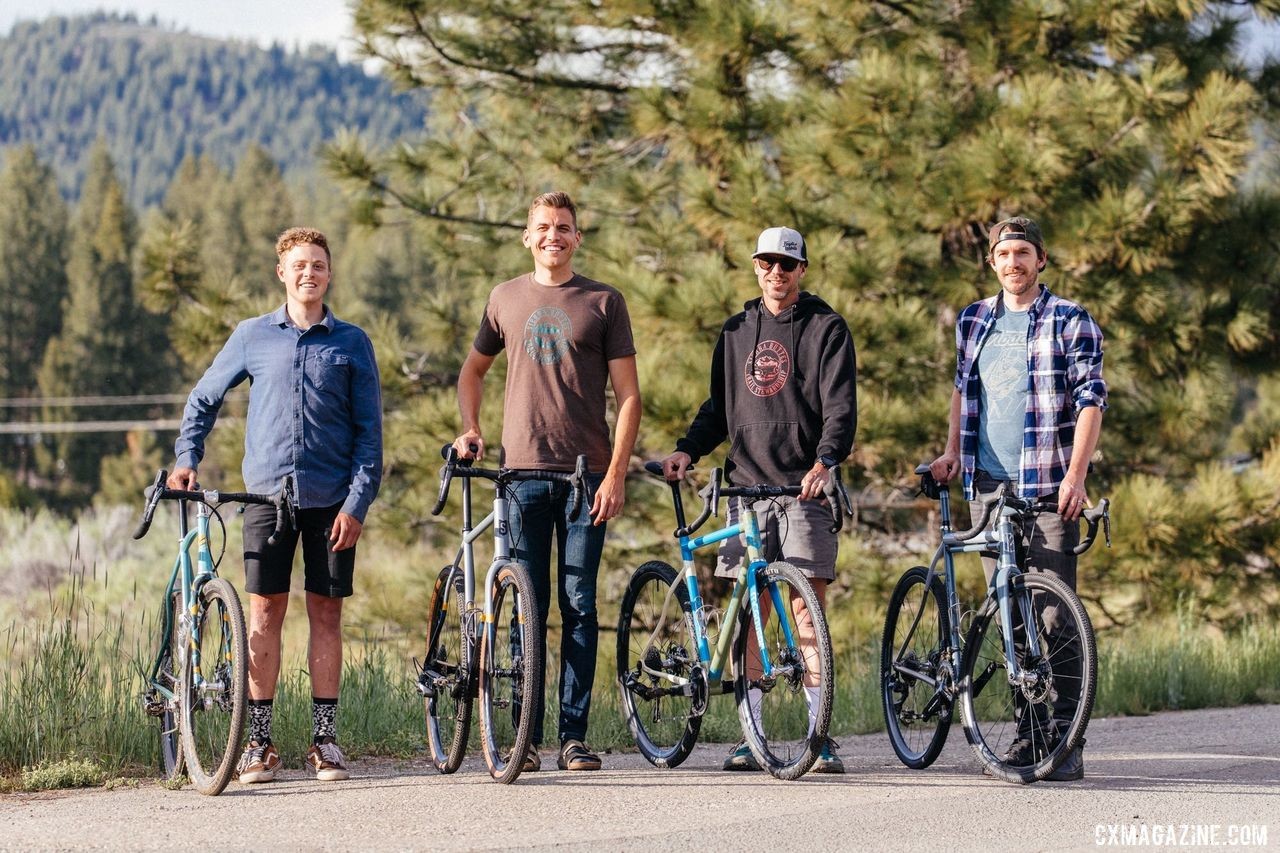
<point x="667" y="669"/>
<point x="197" y="682"/>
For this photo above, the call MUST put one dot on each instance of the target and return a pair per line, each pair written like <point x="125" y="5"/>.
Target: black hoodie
<point x="784" y="388"/>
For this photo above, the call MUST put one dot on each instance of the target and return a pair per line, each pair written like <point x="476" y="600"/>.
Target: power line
<point x="98" y="400"/>
<point x="38" y="428"/>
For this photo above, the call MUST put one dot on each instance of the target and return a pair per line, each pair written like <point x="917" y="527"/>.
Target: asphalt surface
<point x="1193" y="779"/>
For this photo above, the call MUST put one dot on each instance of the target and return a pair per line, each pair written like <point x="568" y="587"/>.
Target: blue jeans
<point x="543" y="510"/>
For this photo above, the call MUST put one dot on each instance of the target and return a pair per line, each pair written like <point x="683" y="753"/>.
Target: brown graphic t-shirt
<point x="559" y="342"/>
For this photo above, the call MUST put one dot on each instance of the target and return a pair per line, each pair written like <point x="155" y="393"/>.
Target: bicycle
<point x="667" y="669"/>
<point x="197" y="682"/>
<point x="1049" y="673"/>
<point x="506" y="669"/>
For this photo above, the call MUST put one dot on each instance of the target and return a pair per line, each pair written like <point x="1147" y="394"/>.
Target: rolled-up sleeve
<point x="1082" y="340"/>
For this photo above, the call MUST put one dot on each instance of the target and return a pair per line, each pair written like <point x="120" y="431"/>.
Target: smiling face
<point x="552" y="236"/>
<point x="781" y="289"/>
<point x="1018" y="264"/>
<point x="304" y="269"/>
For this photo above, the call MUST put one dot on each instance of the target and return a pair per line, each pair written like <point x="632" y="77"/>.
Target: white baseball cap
<point x="781" y="241"/>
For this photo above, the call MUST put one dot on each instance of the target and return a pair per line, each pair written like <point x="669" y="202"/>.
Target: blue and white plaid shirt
<point x="1064" y="375"/>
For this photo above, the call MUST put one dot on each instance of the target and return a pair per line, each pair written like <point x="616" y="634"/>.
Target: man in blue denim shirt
<point x="315" y="415"/>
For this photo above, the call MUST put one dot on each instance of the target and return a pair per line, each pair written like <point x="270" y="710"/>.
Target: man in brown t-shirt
<point x="565" y="335"/>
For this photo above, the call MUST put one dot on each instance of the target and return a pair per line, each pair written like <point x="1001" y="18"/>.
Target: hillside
<point x="156" y="95"/>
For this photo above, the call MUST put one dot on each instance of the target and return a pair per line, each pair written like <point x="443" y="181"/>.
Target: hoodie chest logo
<point x="767" y="369"/>
<point x="546" y="335"/>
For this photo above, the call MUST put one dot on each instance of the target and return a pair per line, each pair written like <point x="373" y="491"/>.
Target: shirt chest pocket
<point x="329" y="370"/>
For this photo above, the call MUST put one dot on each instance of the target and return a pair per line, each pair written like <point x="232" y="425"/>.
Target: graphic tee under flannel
<point x="559" y="342"/>
<point x="1064" y="375"/>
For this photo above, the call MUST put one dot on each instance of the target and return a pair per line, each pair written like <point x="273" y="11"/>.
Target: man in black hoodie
<point x="783" y="387"/>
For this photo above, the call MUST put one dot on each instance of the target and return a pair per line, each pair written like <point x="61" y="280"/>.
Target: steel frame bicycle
<point x="479" y="618"/>
<point x="945" y="676"/>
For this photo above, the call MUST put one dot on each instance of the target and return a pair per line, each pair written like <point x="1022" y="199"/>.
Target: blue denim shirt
<point x="315" y="410"/>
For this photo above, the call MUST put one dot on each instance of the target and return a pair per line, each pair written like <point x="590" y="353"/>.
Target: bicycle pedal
<point x="153" y="706"/>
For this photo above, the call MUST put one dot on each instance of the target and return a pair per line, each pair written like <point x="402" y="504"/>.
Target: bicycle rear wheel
<point x="510" y="672"/>
<point x="913" y="661"/>
<point x="167" y="674"/>
<point x="212" y="705"/>
<point x="663" y="697"/>
<point x="784" y="714"/>
<point x="446" y="676"/>
<point x="1024" y="732"/>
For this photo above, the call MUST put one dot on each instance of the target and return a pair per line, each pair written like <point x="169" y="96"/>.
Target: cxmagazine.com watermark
<point x="1181" y="835"/>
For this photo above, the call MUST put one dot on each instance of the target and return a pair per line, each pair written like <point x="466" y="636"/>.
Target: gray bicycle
<point x="1026" y="671"/>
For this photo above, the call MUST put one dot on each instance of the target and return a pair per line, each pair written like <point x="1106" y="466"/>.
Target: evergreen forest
<point x="136" y="229"/>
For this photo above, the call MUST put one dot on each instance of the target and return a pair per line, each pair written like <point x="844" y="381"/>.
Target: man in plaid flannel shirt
<point x="1027" y="405"/>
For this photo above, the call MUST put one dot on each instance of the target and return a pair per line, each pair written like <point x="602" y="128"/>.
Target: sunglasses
<point x="787" y="264"/>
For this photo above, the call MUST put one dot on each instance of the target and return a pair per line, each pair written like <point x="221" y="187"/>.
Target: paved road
<point x="1193" y="771"/>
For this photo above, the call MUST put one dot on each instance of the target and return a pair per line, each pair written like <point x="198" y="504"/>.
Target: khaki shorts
<point x="790" y="529"/>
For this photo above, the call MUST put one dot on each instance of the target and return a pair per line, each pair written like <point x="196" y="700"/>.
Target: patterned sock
<point x="324" y="718"/>
<point x="260" y="720"/>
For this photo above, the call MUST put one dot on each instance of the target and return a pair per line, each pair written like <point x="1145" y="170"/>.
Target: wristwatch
<point x="827" y="462"/>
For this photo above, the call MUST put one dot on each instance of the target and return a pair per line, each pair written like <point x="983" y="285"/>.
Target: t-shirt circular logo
<point x="772" y="365"/>
<point x="547" y="334"/>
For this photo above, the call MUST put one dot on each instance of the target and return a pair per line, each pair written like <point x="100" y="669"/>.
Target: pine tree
<point x="103" y="348"/>
<point x="33" y="281"/>
<point x="891" y="134"/>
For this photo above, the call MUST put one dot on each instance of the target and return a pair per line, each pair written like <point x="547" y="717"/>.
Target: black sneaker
<point x="574" y="755"/>
<point x="1072" y="770"/>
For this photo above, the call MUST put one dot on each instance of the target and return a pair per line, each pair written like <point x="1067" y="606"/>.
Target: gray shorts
<point x="790" y="529"/>
<point x="1047" y="536"/>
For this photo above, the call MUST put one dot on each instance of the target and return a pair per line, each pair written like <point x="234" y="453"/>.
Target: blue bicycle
<point x="772" y="628"/>
<point x="197" y="682"/>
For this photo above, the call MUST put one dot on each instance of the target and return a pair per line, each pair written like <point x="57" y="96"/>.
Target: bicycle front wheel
<point x="168" y="673"/>
<point x="446" y="676"/>
<point x="913" y="663"/>
<point x="664" y="694"/>
<point x="785" y="709"/>
<point x="510" y="672"/>
<point x="1024" y="731"/>
<point x="212" y="703"/>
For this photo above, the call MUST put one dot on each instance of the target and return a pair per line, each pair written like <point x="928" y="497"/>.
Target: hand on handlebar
<point x="183" y="479"/>
<point x="676" y="465"/>
<point x="470" y="445"/>
<point x="815" y="482"/>
<point x="1072" y="499"/>
<point x="945" y="467"/>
